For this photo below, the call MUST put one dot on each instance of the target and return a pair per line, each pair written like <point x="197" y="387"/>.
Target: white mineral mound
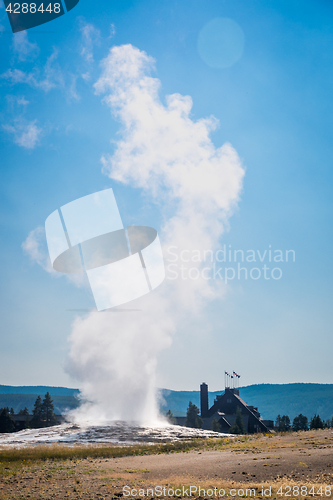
<point x="110" y="432"/>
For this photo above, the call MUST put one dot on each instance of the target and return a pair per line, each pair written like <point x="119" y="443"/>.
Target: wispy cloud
<point x="24" y="49"/>
<point x="72" y="88"/>
<point x="112" y="30"/>
<point x="35" y="247"/>
<point x="50" y="78"/>
<point x="16" y="103"/>
<point x="26" y="134"/>
<point x="21" y="101"/>
<point x="90" y="36"/>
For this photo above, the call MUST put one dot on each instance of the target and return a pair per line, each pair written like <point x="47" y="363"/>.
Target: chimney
<point x="204" y="399"/>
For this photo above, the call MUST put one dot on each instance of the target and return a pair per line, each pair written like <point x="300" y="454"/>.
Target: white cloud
<point x="86" y="76"/>
<point x="171" y="157"/>
<point x="35" y="247"/>
<point x="26" y="134"/>
<point x="90" y="36"/>
<point x="71" y="88"/>
<point x="112" y="31"/>
<point x="21" y="101"/>
<point x="24" y="49"/>
<point x="51" y="77"/>
<point x="15" y="102"/>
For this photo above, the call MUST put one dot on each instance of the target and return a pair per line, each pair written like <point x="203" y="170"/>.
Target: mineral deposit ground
<point x="292" y="465"/>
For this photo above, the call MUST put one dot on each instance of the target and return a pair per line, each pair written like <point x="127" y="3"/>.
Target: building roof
<point x="221" y="403"/>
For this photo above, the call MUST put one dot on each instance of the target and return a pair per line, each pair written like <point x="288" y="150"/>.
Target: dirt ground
<point x="295" y="465"/>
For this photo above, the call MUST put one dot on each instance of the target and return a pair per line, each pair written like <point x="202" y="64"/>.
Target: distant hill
<point x="271" y="399"/>
<point x="38" y="389"/>
<point x="19" y="397"/>
<point x="62" y="404"/>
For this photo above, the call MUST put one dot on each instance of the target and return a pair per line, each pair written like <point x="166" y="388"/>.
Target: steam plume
<point x="173" y="160"/>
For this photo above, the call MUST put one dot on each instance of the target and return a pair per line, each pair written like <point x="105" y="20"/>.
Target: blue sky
<point x="274" y="106"/>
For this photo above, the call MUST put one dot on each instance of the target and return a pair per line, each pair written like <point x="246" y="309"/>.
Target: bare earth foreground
<point x="294" y="465"/>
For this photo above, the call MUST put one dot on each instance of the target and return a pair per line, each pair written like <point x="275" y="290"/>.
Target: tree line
<point x="301" y="423"/>
<point x="42" y="416"/>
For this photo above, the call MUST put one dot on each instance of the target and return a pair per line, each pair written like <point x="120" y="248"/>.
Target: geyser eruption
<point x="173" y="160"/>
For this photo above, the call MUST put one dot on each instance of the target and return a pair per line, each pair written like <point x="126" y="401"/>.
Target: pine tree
<point x="24" y="412"/>
<point x="192" y="416"/>
<point x="278" y="422"/>
<point x="286" y="423"/>
<point x="7" y="423"/>
<point x="300" y="423"/>
<point x="48" y="411"/>
<point x="238" y="427"/>
<point x="282" y="424"/>
<point x="37" y="419"/>
<point x="316" y="422"/>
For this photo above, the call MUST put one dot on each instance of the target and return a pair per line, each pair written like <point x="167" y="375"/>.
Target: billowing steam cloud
<point x="171" y="157"/>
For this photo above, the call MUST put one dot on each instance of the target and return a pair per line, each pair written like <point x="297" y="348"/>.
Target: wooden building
<point x="224" y="411"/>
